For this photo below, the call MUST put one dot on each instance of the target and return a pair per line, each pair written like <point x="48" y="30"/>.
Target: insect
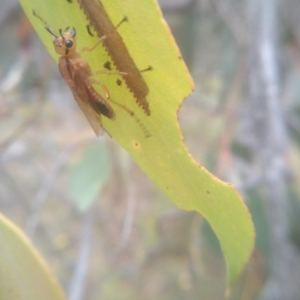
<point x="78" y="75"/>
<point x="115" y="47"/>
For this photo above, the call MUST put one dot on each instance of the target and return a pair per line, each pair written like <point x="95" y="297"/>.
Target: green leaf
<point x="23" y="273"/>
<point x="88" y="175"/>
<point x="163" y="156"/>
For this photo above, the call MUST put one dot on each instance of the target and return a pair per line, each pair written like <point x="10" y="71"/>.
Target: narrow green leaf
<point x="88" y="175"/>
<point x="23" y="273"/>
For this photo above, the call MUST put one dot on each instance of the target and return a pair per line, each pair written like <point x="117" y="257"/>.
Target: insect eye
<point x="69" y="43"/>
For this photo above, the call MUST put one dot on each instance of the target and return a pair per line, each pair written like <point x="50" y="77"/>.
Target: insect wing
<point x="93" y="118"/>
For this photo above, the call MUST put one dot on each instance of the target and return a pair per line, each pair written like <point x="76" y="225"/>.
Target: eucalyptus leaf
<point x="162" y="156"/>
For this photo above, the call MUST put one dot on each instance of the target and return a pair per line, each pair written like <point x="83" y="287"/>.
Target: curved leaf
<point x="163" y="156"/>
<point x="23" y="273"/>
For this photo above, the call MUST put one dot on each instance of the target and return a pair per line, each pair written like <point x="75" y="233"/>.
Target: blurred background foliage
<point x="120" y="238"/>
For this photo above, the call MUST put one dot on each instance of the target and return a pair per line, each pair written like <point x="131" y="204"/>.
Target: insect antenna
<point x="61" y="34"/>
<point x="50" y="31"/>
<point x="47" y="27"/>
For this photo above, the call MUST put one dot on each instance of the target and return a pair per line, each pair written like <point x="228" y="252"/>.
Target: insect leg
<point x="149" y="68"/>
<point x="106" y="92"/>
<point x="88" y="28"/>
<point x="87" y="49"/>
<point x="142" y="126"/>
<point x="144" y="129"/>
<point x="125" y="19"/>
<point x="106" y="72"/>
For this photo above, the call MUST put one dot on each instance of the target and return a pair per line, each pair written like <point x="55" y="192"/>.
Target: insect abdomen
<point x="99" y="104"/>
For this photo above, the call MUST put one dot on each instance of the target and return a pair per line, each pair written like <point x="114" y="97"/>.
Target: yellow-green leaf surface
<point x="163" y="156"/>
<point x="23" y="273"/>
